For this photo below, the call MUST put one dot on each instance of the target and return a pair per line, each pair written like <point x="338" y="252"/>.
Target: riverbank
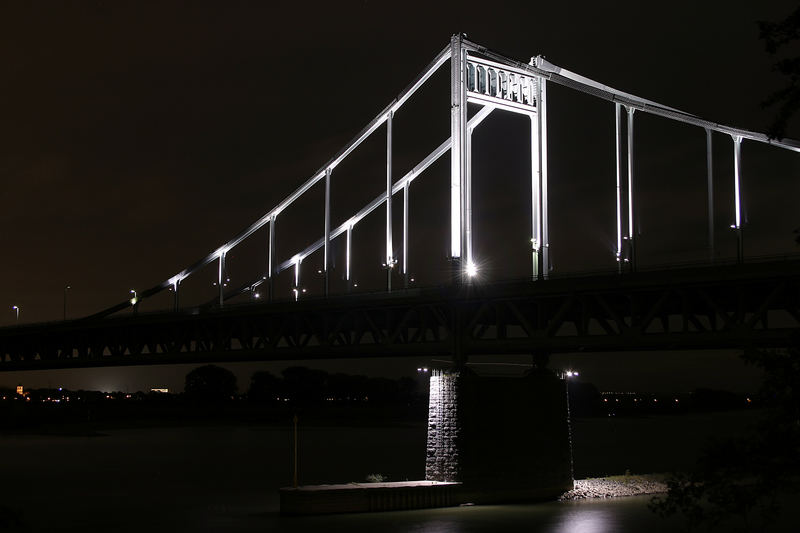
<point x="616" y="487"/>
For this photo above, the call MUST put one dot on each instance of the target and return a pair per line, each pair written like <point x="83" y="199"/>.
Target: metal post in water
<point x="294" y="483"/>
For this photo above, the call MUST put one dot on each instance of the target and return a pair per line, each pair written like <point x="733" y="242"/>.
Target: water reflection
<point x="589" y="520"/>
<point x="626" y="515"/>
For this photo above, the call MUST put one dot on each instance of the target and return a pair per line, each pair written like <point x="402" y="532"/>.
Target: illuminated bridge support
<point x="505" y="439"/>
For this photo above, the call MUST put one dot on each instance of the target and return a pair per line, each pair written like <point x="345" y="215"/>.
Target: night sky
<point x="135" y="138"/>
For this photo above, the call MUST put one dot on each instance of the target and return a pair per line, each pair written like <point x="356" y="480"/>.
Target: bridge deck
<point x="731" y="306"/>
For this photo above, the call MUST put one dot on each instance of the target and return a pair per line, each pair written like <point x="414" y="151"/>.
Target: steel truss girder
<point x="723" y="307"/>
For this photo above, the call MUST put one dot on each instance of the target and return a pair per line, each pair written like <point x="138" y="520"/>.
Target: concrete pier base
<point x="490" y="440"/>
<point x="505" y="439"/>
<point x="369" y="497"/>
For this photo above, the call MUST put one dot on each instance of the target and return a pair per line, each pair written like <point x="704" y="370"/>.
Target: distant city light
<point x="472" y="270"/>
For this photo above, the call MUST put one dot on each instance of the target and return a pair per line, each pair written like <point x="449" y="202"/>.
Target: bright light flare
<point x="472" y="269"/>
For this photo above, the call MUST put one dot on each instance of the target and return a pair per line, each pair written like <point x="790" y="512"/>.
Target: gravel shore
<point x="614" y="487"/>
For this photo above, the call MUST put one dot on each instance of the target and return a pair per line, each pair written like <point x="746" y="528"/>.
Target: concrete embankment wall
<point x="368" y="497"/>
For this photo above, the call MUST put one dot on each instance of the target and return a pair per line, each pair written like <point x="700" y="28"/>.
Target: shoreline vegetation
<point x="319" y="399"/>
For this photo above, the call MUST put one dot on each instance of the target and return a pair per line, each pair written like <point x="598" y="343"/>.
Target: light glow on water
<point x="591" y="520"/>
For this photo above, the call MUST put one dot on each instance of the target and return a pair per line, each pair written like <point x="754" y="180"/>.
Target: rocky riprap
<point x="613" y="487"/>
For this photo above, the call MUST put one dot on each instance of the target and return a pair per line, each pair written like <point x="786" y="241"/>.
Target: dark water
<point x="226" y="478"/>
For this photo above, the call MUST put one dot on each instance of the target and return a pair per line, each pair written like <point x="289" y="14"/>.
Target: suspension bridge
<point x="708" y="306"/>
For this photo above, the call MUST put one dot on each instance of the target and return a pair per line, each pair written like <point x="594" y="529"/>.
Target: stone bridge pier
<point x="504" y="438"/>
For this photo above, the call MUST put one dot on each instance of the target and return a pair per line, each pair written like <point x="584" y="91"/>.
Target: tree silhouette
<point x="778" y="37"/>
<point x="264" y="387"/>
<point x="305" y="386"/>
<point x="210" y="383"/>
<point x="740" y="477"/>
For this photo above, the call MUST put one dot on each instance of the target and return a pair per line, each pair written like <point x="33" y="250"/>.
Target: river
<point x="225" y="478"/>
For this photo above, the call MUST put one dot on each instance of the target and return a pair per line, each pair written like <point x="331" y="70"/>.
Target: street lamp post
<point x="16" y="308"/>
<point x="66" y="288"/>
<point x="134" y="301"/>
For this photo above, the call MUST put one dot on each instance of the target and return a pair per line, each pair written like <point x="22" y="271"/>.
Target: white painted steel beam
<point x="566" y="78"/>
<point x="296" y="288"/>
<point x="467" y="196"/>
<point x="389" y="250"/>
<point x="176" y="297"/>
<point x="347" y="253"/>
<point x="408" y="178"/>
<point x="618" y="146"/>
<point x="737" y="170"/>
<point x="457" y="138"/>
<point x="405" y="233"/>
<point x="271" y="258"/>
<point x="631" y="218"/>
<point x="710" y="185"/>
<point x="737" y="176"/>
<point x="220" y="274"/>
<point x="326" y="254"/>
<point x="499" y="103"/>
<point x="536" y="186"/>
<point x="543" y="166"/>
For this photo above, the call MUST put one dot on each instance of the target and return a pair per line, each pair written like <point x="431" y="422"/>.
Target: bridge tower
<point x="493" y="85"/>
